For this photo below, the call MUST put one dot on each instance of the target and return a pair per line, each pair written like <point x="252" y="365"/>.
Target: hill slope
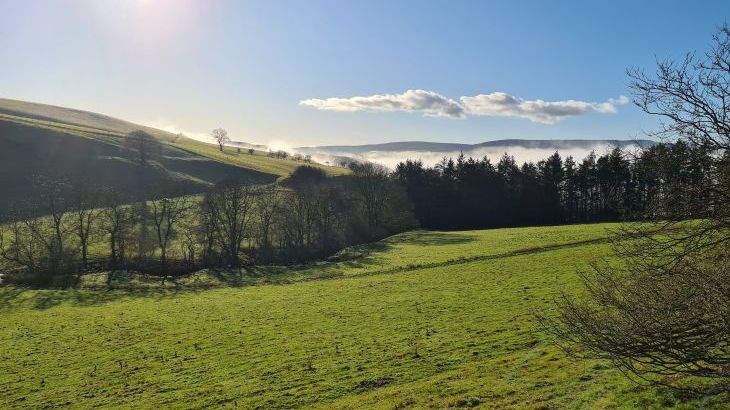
<point x="420" y="320"/>
<point x="30" y="148"/>
<point x="73" y="117"/>
<point x="38" y="138"/>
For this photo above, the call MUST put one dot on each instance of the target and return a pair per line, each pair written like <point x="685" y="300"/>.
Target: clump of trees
<point x="309" y="216"/>
<point x="469" y="193"/>
<point x="279" y="154"/>
<point x="144" y="146"/>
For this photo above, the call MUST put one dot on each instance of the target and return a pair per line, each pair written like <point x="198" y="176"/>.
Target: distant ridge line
<point x="425" y="146"/>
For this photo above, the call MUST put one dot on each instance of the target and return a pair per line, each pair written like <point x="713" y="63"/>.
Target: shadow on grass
<point x="433" y="238"/>
<point x="20" y="298"/>
<point x="101" y="288"/>
<point x="363" y="256"/>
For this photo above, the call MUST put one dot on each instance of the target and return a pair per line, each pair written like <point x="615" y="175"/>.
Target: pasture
<point x="420" y="320"/>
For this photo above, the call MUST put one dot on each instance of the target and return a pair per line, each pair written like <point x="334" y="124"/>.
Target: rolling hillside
<point x="38" y="138"/>
<point x="419" y="320"/>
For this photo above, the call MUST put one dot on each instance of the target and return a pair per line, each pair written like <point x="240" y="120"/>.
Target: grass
<point x="75" y="130"/>
<point x="420" y="320"/>
<point x="109" y="130"/>
<point x="37" y="137"/>
<point x="258" y="161"/>
<point x="62" y="117"/>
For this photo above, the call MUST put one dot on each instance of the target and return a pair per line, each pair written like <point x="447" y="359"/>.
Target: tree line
<point x="311" y="215"/>
<point x="308" y="216"/>
<point x="468" y="193"/>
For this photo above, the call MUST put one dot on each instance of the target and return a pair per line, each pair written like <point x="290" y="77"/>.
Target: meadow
<point x="423" y="319"/>
<point x="258" y="161"/>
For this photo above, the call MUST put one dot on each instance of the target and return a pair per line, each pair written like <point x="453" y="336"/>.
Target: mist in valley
<point x="391" y="158"/>
<point x="521" y="154"/>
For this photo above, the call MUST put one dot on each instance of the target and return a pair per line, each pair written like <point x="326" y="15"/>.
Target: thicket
<point x="77" y="226"/>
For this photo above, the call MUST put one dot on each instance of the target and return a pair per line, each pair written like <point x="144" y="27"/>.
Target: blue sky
<point x="246" y="65"/>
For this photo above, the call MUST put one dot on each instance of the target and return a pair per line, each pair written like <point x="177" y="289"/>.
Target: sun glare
<point x="148" y="24"/>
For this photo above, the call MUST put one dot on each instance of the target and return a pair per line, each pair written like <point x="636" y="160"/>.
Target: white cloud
<point x="546" y="112"/>
<point x="427" y="102"/>
<point x="497" y="104"/>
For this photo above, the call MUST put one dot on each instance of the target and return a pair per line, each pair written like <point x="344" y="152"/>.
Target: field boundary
<point x="462" y="260"/>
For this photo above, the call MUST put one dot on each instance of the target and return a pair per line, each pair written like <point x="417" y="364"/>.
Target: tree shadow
<point x="433" y="238"/>
<point x="18" y="298"/>
<point x="126" y="285"/>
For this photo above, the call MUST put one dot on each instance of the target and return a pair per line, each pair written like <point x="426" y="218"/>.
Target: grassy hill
<point x="419" y="320"/>
<point x="36" y="138"/>
<point x="69" y="117"/>
<point x="259" y="160"/>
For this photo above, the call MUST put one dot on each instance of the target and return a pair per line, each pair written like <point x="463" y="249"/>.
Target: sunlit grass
<point x="460" y="333"/>
<point x="258" y="161"/>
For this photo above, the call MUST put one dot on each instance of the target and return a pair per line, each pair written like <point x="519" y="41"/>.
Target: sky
<point x="350" y="72"/>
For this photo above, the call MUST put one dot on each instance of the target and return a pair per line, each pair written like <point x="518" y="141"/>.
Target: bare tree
<point x="143" y="240"/>
<point x="167" y="214"/>
<point x="231" y="206"/>
<point x="372" y="182"/>
<point x="295" y="230"/>
<point x="54" y="199"/>
<point x="654" y="325"/>
<point x="220" y="136"/>
<point x="84" y="207"/>
<point x="268" y="204"/>
<point x="39" y="245"/>
<point x="207" y="230"/>
<point x="21" y="250"/>
<point x="117" y="221"/>
<point x="191" y="243"/>
<point x="328" y="208"/>
<point x="145" y="145"/>
<point x="666" y="311"/>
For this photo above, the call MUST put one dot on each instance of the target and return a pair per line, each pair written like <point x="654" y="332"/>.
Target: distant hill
<point x="39" y="138"/>
<point x="424" y="146"/>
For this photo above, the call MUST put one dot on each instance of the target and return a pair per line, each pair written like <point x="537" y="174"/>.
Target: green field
<point x="420" y="320"/>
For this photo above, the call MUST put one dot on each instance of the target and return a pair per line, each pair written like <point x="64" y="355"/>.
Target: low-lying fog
<point x="521" y="154"/>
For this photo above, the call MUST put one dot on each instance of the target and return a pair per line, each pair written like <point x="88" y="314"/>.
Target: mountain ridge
<point x="427" y="146"/>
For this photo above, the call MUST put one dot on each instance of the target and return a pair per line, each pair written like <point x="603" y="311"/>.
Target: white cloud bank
<point x="497" y="104"/>
<point x="547" y="112"/>
<point x="428" y="102"/>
